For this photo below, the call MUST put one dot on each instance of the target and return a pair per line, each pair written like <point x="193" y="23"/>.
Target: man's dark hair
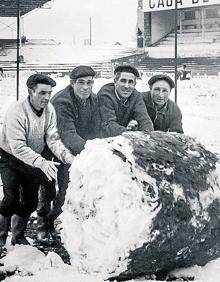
<point x="157" y="77"/>
<point x="37" y="78"/>
<point x="126" y="68"/>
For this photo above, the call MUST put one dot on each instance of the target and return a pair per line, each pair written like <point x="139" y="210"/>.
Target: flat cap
<point x="127" y="68"/>
<point x="81" y="71"/>
<point x="34" y="79"/>
<point x="161" y="77"/>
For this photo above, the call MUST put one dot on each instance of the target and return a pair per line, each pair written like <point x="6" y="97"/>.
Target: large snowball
<point x="130" y="195"/>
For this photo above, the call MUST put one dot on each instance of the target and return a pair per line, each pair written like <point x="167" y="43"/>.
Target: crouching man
<point x="120" y="103"/>
<point x="164" y="113"/>
<point x="78" y="120"/>
<point x="29" y="125"/>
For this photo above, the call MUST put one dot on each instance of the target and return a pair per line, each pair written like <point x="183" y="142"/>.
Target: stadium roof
<point x="8" y="8"/>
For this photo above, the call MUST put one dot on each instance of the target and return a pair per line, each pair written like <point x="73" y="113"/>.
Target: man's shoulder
<point x="19" y="110"/>
<point x="172" y="104"/>
<point x="62" y="96"/>
<point x="50" y="107"/>
<point x="135" y="94"/>
<point x="173" y="107"/>
<point x="18" y="106"/>
<point x="145" y="94"/>
<point x="94" y="97"/>
<point x="107" y="89"/>
<point x="146" y="97"/>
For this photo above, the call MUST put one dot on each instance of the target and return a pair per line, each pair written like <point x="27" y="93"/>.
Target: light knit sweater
<point x="25" y="134"/>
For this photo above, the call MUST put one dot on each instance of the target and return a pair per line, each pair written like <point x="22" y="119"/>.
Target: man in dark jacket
<point x="120" y="103"/>
<point x="78" y="120"/>
<point x="165" y="114"/>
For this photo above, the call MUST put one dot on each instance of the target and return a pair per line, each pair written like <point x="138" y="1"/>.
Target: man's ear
<point x="29" y="91"/>
<point x="72" y="82"/>
<point x="135" y="81"/>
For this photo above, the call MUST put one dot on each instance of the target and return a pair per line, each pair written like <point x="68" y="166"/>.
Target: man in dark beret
<point x="78" y="120"/>
<point x="120" y="103"/>
<point x="39" y="78"/>
<point x="165" y="114"/>
<point x="29" y="125"/>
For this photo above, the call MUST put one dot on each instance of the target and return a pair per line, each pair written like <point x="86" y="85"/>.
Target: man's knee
<point x="29" y="204"/>
<point x="9" y="205"/>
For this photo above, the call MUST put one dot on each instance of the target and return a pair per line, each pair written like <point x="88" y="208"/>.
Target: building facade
<point x="156" y="20"/>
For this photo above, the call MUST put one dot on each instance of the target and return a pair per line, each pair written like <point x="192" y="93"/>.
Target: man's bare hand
<point x="50" y="169"/>
<point x="132" y="126"/>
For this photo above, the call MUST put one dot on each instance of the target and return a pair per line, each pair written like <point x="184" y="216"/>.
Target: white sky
<point x="112" y="20"/>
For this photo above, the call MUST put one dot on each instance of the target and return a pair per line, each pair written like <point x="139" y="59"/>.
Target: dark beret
<point x="81" y="71"/>
<point x="161" y="77"/>
<point x="127" y="68"/>
<point x="34" y="79"/>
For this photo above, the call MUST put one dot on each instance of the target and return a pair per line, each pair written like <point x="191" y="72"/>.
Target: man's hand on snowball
<point x="132" y="125"/>
<point x="70" y="159"/>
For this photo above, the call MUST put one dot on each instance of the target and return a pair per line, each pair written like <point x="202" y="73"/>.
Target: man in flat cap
<point x="78" y="120"/>
<point x="120" y="103"/>
<point x="165" y="114"/>
<point x="29" y="125"/>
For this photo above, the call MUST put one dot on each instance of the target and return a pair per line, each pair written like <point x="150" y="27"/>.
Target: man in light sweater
<point x="29" y="126"/>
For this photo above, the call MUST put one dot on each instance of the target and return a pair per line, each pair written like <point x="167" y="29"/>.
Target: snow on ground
<point x="185" y="50"/>
<point x="32" y="265"/>
<point x="69" y="54"/>
<point x="66" y="53"/>
<point x="199" y="100"/>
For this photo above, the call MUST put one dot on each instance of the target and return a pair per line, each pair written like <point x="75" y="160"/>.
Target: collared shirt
<point x="81" y="102"/>
<point x="122" y="100"/>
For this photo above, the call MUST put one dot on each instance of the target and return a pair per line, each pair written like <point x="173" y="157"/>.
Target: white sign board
<point x="159" y="5"/>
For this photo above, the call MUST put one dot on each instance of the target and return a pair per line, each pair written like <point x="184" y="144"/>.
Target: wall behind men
<point x="161" y="24"/>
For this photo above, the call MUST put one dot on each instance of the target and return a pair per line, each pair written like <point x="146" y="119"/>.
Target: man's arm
<point x="141" y="115"/>
<point x="66" y="127"/>
<point x="109" y="123"/>
<point x="54" y="142"/>
<point x="16" y="133"/>
<point x="16" y="138"/>
<point x="176" y="121"/>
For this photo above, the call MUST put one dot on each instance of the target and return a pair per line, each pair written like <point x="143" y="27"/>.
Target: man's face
<point x="83" y="86"/>
<point x="125" y="84"/>
<point x="40" y="96"/>
<point x="160" y="92"/>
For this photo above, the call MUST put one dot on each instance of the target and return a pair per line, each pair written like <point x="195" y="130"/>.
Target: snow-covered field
<point x="69" y="53"/>
<point x="66" y="53"/>
<point x="184" y="50"/>
<point x="199" y="100"/>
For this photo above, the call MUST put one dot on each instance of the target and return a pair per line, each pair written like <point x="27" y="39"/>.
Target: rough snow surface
<point x="30" y="264"/>
<point x="207" y="273"/>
